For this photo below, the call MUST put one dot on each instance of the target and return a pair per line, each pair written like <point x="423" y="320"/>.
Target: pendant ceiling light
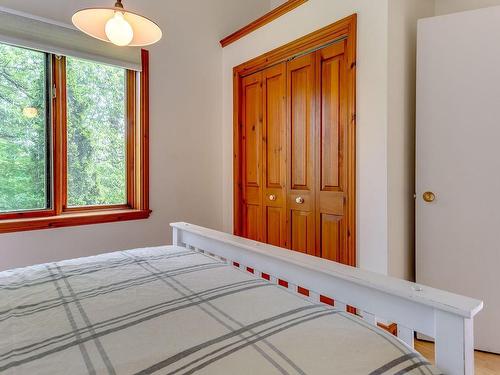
<point x="117" y="25"/>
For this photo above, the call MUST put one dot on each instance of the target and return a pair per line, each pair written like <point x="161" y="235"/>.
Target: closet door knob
<point x="272" y="197"/>
<point x="429" y="197"/>
<point x="299" y="200"/>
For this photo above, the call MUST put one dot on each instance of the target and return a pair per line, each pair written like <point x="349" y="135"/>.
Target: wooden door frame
<point x="344" y="29"/>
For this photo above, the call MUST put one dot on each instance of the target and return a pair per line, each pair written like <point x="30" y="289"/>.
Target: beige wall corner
<point x="453" y="6"/>
<point x="277" y="3"/>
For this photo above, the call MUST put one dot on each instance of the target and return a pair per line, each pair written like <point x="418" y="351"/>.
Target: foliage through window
<point x="24" y="136"/>
<point x="73" y="141"/>
<point x="96" y="144"/>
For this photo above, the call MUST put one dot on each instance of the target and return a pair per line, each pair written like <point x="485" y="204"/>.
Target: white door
<point x="458" y="159"/>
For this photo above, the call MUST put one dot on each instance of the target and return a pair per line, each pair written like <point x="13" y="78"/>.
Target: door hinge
<point x="54" y="91"/>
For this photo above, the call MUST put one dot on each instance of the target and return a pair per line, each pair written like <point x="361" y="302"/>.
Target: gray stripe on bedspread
<point x="260" y="336"/>
<point x="79" y="340"/>
<point x="86" y="270"/>
<point x="59" y="338"/>
<point x="69" y="315"/>
<point x="151" y="268"/>
<point x="98" y="344"/>
<point x="393" y="363"/>
<point x="266" y="342"/>
<point x="292" y="322"/>
<point x="402" y="348"/>
<point x="102" y="290"/>
<point x="412" y="367"/>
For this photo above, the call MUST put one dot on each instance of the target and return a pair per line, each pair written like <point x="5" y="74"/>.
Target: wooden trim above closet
<point x="264" y="20"/>
<point x="343" y="29"/>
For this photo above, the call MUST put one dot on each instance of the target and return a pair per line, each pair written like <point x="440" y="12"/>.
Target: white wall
<point x="453" y="6"/>
<point x="186" y="168"/>
<point x="277" y="3"/>
<point x="371" y="107"/>
<point x="402" y="34"/>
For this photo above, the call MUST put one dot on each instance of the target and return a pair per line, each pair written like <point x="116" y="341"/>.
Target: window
<point x="73" y="141"/>
<point x="24" y="131"/>
<point x="96" y="114"/>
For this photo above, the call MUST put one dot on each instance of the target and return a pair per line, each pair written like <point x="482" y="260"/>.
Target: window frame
<point x="43" y="212"/>
<point x="137" y="158"/>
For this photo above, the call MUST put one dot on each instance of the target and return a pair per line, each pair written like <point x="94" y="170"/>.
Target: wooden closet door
<point x="300" y="145"/>
<point x="274" y="155"/>
<point x="251" y="152"/>
<point x="331" y="153"/>
<point x="295" y="173"/>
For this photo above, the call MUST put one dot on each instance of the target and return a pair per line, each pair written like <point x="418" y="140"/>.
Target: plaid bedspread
<point x="170" y="310"/>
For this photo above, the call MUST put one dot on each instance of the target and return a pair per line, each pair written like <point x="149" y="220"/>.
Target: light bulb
<point x="118" y="30"/>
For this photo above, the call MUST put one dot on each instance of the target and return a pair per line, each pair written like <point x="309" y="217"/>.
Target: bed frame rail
<point x="444" y="316"/>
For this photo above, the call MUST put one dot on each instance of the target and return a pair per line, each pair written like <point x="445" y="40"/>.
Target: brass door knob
<point x="429" y="196"/>
<point x="299" y="200"/>
<point x="272" y="197"/>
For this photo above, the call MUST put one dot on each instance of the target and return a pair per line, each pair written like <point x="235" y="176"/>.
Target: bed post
<point x="454" y="347"/>
<point x="175" y="236"/>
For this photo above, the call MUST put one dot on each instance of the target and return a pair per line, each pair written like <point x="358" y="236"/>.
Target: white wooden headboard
<point x="446" y="317"/>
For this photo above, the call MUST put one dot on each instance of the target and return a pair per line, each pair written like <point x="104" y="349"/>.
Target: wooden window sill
<point x="72" y="219"/>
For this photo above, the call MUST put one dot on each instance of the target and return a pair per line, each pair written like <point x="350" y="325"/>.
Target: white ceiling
<point x="227" y="14"/>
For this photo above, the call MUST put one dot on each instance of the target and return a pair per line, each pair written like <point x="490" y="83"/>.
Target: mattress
<point x="170" y="310"/>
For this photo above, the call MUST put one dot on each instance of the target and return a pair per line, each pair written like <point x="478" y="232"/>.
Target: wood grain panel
<point x="274" y="151"/>
<point x="332" y="238"/>
<point x="253" y="214"/>
<point x="331" y="150"/>
<point x="252" y="157"/>
<point x="300" y="112"/>
<point x="275" y="220"/>
<point x="301" y="94"/>
<point x="72" y="219"/>
<point x="331" y="131"/>
<point x="275" y="126"/>
<point x="302" y="232"/>
<point x="252" y="131"/>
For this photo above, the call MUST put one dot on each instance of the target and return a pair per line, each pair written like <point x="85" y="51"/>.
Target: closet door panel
<point x="274" y="153"/>
<point x="252" y="220"/>
<point x="300" y="108"/>
<point x="252" y="156"/>
<point x="331" y="151"/>
<point x="332" y="237"/>
<point x="331" y="137"/>
<point x="275" y="225"/>
<point x="302" y="231"/>
<point x="301" y="126"/>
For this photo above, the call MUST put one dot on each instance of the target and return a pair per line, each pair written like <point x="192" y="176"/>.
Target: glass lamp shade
<point x="118" y="26"/>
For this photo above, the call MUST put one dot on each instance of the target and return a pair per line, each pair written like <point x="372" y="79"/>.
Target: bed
<point x="213" y="303"/>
